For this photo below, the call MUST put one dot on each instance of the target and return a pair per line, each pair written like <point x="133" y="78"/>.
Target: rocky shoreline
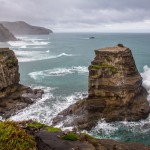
<point x="113" y="102"/>
<point x="43" y="137"/>
<point x="13" y="95"/>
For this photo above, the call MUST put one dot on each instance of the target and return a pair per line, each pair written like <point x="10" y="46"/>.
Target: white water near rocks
<point x="59" y="66"/>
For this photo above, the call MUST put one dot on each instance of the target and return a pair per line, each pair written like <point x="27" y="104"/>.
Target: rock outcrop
<point x="38" y="136"/>
<point x="115" y="91"/>
<point x="22" y="28"/>
<point x="13" y="96"/>
<point x="6" y="35"/>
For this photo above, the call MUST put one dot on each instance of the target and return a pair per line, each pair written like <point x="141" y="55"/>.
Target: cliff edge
<point x="13" y="96"/>
<point x="115" y="91"/>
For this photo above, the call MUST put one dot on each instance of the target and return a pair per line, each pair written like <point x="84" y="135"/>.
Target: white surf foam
<point x="28" y="56"/>
<point x="27" y="43"/>
<point x="48" y="107"/>
<point x="146" y="80"/>
<point x="106" y="130"/>
<point x="59" y="72"/>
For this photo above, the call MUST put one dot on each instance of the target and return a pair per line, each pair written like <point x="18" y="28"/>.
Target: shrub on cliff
<point x="13" y="137"/>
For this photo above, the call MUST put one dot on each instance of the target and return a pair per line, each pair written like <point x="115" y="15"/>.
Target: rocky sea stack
<point x="13" y="96"/>
<point x="115" y="91"/>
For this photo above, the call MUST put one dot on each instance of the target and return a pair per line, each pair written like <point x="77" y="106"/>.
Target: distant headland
<point x="8" y="30"/>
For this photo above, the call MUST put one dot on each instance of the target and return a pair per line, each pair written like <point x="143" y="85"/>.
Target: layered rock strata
<point x="13" y="96"/>
<point x="115" y="91"/>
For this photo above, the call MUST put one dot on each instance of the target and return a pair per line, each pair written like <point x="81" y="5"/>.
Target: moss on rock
<point x="111" y="67"/>
<point x="34" y="124"/>
<point x="71" y="136"/>
<point x="53" y="129"/>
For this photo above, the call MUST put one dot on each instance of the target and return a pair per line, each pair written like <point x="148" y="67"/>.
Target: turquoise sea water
<point x="58" y="63"/>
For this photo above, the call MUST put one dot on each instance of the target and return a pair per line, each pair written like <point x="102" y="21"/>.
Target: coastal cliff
<point x="13" y="96"/>
<point x="6" y="35"/>
<point x="115" y="91"/>
<point x="22" y="28"/>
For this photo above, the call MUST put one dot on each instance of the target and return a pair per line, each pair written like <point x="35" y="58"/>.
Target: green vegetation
<point x="34" y="124"/>
<point x="52" y="129"/>
<point x="112" y="68"/>
<point x="71" y="136"/>
<point x="11" y="62"/>
<point x="13" y="137"/>
<point x="88" y="136"/>
<point x="38" y="125"/>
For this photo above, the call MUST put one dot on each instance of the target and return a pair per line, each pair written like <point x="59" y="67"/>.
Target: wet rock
<point x="115" y="91"/>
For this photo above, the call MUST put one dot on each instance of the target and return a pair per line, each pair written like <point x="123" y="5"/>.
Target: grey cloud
<point x="69" y="13"/>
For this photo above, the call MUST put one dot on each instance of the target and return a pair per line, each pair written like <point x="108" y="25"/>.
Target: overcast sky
<point x="80" y="15"/>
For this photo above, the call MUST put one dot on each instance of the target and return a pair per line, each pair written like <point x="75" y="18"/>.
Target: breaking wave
<point x="23" y="44"/>
<point x="146" y="79"/>
<point x="45" y="109"/>
<point x="28" y="56"/>
<point x="58" y="72"/>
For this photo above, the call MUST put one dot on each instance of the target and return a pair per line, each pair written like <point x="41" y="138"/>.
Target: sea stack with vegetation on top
<point x="115" y="91"/>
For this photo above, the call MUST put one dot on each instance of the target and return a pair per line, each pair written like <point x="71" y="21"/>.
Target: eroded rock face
<point x="115" y="91"/>
<point x="13" y="96"/>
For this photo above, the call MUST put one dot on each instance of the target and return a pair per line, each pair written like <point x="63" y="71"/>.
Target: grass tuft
<point x="13" y="137"/>
<point x="52" y="129"/>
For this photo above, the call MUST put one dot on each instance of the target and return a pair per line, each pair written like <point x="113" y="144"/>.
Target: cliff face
<point x="6" y="35"/>
<point x="115" y="91"/>
<point x="13" y="96"/>
<point x="9" y="75"/>
<point x="22" y="28"/>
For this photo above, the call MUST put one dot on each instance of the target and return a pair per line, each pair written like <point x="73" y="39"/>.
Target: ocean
<point x="58" y="64"/>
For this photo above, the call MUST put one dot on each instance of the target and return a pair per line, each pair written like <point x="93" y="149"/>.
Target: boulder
<point x="115" y="91"/>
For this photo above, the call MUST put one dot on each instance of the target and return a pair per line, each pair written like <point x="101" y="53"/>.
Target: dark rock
<point x="22" y="28"/>
<point x="92" y="37"/>
<point x="46" y="140"/>
<point x="6" y="35"/>
<point x="13" y="96"/>
<point x="115" y="91"/>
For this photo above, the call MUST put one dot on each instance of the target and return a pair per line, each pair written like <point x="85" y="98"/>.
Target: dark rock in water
<point x="115" y="91"/>
<point x="92" y="37"/>
<point x="22" y="28"/>
<point x="6" y="35"/>
<point x="13" y="96"/>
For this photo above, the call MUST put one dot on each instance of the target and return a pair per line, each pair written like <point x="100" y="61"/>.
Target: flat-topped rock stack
<point x="115" y="91"/>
